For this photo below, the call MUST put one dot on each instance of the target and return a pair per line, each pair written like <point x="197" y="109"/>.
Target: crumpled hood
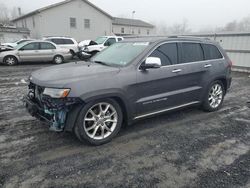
<point x="60" y="75"/>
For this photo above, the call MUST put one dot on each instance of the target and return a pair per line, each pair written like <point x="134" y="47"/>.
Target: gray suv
<point x="131" y="80"/>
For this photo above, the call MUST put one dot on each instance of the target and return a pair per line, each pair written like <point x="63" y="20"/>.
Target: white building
<point x="75" y="18"/>
<point x="124" y="26"/>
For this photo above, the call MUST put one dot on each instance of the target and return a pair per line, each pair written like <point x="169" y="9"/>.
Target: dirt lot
<point x="190" y="148"/>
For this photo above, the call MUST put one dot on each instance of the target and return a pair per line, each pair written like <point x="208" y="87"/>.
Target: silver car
<point x="35" y="51"/>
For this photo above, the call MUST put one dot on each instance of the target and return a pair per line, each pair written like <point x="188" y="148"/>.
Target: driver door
<point x="29" y="52"/>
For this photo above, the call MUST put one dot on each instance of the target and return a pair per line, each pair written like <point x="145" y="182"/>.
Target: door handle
<point x="176" y="70"/>
<point x="207" y="66"/>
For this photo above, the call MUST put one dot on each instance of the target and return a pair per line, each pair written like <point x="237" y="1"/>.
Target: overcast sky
<point x="199" y="13"/>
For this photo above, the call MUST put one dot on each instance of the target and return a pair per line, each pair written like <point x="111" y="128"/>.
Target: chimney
<point x="19" y="11"/>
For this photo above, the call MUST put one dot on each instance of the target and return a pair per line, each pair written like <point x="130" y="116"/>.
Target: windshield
<point x="17" y="47"/>
<point x="100" y="40"/>
<point x="120" y="54"/>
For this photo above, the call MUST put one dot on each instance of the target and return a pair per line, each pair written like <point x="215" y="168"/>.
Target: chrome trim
<point x="176" y="70"/>
<point x="207" y="66"/>
<point x="166" y="110"/>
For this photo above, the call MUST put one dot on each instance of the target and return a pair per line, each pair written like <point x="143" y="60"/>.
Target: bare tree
<point x="4" y="14"/>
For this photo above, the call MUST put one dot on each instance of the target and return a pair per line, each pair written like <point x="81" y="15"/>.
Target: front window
<point x="100" y="40"/>
<point x="120" y="54"/>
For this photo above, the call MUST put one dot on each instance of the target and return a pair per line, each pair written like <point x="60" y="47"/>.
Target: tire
<point x="96" y="126"/>
<point x="214" y="97"/>
<point x="58" y="59"/>
<point x="10" y="60"/>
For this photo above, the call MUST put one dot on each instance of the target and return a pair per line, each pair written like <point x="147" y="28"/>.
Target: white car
<point x="15" y="43"/>
<point x="89" y="48"/>
<point x="65" y="42"/>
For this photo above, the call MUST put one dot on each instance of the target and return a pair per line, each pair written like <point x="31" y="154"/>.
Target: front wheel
<point x="99" y="122"/>
<point x="214" y="97"/>
<point x="10" y="60"/>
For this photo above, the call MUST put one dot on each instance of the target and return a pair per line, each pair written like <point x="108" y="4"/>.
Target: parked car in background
<point x="5" y="48"/>
<point x="65" y="42"/>
<point x="14" y="44"/>
<point x="93" y="47"/>
<point x="128" y="81"/>
<point x="35" y="51"/>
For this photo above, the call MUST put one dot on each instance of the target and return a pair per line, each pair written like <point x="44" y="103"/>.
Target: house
<point x="124" y="26"/>
<point x="79" y="19"/>
<point x="11" y="34"/>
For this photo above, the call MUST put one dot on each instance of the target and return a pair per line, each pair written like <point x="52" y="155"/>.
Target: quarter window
<point x="72" y="22"/>
<point x="211" y="52"/>
<point x="191" y="52"/>
<point x="167" y="53"/>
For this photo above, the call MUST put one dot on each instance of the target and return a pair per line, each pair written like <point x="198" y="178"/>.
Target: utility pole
<point x="133" y="15"/>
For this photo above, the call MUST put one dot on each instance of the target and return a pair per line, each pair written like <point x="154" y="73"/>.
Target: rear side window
<point x="211" y="52"/>
<point x="68" y="41"/>
<point x="57" y="41"/>
<point x="191" y="52"/>
<point x="119" y="39"/>
<point x="167" y="53"/>
<point x="46" y="46"/>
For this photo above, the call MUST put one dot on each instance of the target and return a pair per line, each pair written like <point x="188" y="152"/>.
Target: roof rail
<point x="189" y="36"/>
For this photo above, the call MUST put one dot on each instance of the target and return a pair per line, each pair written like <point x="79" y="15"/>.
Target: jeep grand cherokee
<point x="131" y="80"/>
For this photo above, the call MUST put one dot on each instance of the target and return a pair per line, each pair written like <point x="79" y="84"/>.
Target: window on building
<point x="139" y="31"/>
<point x="133" y="32"/>
<point x="211" y="52"/>
<point x="148" y="32"/>
<point x="122" y="30"/>
<point x="33" y="22"/>
<point x="72" y="22"/>
<point x="191" y="52"/>
<point x="86" y="23"/>
<point x="167" y="53"/>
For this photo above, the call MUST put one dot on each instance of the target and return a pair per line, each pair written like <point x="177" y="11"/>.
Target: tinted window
<point x="31" y="46"/>
<point x="56" y="41"/>
<point x="46" y="46"/>
<point x="110" y="41"/>
<point x="211" y="52"/>
<point x="191" y="52"/>
<point x="167" y="53"/>
<point x="68" y="41"/>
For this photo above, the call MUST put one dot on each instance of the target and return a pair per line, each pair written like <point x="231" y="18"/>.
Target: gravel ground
<point x="189" y="148"/>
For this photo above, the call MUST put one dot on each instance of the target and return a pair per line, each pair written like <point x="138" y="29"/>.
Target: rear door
<point x="47" y="51"/>
<point x="29" y="52"/>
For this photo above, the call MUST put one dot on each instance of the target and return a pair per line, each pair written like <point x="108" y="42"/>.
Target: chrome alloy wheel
<point x="10" y="61"/>
<point x="215" y="96"/>
<point x="100" y="121"/>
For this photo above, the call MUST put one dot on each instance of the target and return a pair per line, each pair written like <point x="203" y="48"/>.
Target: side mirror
<point x="151" y="63"/>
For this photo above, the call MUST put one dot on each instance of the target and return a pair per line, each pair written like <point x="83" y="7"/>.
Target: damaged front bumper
<point x="50" y="110"/>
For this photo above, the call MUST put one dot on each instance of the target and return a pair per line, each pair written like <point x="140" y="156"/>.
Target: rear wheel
<point x="99" y="122"/>
<point x="58" y="59"/>
<point x="214" y="97"/>
<point x="10" y="60"/>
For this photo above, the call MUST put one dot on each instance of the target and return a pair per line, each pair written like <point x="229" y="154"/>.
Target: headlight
<point x="56" y="93"/>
